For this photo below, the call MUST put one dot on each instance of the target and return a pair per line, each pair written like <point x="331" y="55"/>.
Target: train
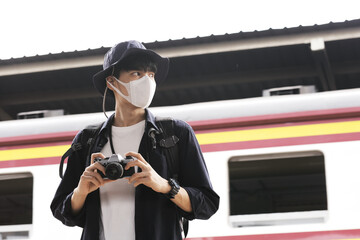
<point x="285" y="167"/>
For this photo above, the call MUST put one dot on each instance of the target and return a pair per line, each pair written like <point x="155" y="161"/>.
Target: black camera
<point x="115" y="166"/>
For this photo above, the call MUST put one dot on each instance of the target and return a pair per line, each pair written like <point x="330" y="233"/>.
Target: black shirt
<point x="156" y="217"/>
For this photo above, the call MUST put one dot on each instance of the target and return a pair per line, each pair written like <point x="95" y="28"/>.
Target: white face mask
<point x="141" y="91"/>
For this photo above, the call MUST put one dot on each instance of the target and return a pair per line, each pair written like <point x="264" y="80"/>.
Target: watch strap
<point x="174" y="188"/>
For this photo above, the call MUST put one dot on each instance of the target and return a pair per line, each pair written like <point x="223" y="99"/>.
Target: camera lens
<point x="114" y="171"/>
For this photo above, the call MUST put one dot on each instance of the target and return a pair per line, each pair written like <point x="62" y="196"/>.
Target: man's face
<point x="127" y="76"/>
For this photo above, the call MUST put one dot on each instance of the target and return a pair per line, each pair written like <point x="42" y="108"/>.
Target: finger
<point x="97" y="176"/>
<point x="136" y="155"/>
<point x="94" y="175"/>
<point x="99" y="167"/>
<point x="137" y="176"/>
<point x="96" y="166"/>
<point x="136" y="182"/>
<point x="96" y="155"/>
<point x="90" y="179"/>
<point x="144" y="181"/>
<point x="136" y="162"/>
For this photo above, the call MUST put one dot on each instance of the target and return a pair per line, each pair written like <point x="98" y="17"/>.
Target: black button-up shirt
<point x="156" y="217"/>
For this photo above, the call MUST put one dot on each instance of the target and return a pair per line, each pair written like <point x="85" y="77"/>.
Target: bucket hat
<point x="122" y="50"/>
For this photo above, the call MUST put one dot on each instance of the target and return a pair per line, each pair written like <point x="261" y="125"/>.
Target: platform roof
<point x="217" y="67"/>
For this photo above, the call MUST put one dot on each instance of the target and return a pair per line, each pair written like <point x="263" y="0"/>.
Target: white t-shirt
<point x="117" y="199"/>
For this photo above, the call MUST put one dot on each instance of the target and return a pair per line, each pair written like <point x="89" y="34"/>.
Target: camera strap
<point x="111" y="140"/>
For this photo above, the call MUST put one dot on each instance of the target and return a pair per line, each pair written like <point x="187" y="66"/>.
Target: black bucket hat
<point x="119" y="52"/>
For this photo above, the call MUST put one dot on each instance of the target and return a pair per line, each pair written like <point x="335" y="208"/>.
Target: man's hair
<point x="140" y="61"/>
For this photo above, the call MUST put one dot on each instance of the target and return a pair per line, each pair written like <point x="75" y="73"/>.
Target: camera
<point x="115" y="166"/>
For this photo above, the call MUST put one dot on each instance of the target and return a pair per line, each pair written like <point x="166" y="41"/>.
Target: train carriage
<point x="285" y="167"/>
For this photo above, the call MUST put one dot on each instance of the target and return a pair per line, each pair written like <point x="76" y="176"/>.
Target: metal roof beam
<point x="51" y="65"/>
<point x="189" y="50"/>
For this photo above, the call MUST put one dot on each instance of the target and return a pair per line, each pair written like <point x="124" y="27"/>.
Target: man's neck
<point x="127" y="116"/>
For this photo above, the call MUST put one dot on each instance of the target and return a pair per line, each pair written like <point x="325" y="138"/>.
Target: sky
<point x="39" y="27"/>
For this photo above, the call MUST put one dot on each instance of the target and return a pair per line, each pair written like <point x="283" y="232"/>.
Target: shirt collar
<point x="149" y="120"/>
<point x="106" y="125"/>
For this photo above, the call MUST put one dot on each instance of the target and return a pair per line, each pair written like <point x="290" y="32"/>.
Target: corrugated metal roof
<point x="254" y="34"/>
<point x="192" y="41"/>
<point x="223" y="69"/>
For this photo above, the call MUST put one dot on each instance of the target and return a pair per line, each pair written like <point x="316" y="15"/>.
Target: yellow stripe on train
<point x="350" y="239"/>
<point x="210" y="138"/>
<point x="279" y="132"/>
<point x="37" y="152"/>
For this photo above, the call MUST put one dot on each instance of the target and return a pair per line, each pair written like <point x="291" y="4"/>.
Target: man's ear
<point x="109" y="79"/>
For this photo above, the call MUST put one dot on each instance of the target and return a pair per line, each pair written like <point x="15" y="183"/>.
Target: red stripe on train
<point x="29" y="162"/>
<point x="283" y="124"/>
<point x="315" y="115"/>
<point x="37" y="139"/>
<point x="48" y="144"/>
<point x="321" y="235"/>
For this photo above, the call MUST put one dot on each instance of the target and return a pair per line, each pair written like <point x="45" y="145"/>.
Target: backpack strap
<point x="169" y="143"/>
<point x="86" y="141"/>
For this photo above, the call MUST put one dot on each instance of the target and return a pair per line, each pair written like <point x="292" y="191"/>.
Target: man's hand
<point x="90" y="180"/>
<point x="148" y="176"/>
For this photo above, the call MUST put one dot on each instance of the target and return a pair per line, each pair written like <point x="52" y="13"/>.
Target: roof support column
<point x="322" y="63"/>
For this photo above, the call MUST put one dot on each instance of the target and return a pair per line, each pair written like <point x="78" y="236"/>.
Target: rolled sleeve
<point x="194" y="177"/>
<point x="69" y="217"/>
<point x="61" y="204"/>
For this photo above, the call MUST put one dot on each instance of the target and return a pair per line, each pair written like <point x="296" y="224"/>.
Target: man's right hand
<point x="90" y="180"/>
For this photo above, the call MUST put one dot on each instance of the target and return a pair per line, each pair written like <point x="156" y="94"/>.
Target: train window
<point x="273" y="189"/>
<point x="16" y="196"/>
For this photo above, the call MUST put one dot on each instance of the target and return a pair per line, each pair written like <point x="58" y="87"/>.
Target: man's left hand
<point x="148" y="176"/>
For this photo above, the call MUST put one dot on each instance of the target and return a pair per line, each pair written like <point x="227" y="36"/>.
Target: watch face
<point x="174" y="183"/>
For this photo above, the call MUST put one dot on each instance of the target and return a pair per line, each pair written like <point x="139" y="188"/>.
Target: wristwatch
<point x="175" y="187"/>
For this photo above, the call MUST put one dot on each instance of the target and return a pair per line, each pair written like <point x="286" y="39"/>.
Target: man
<point x="148" y="204"/>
